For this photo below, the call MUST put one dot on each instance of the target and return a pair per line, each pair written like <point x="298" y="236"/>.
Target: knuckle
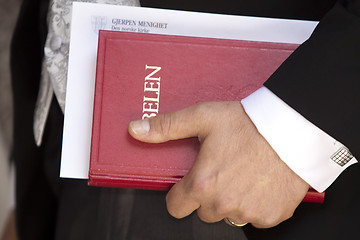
<point x="203" y="109"/>
<point x="247" y="216"/>
<point x="174" y="209"/>
<point x="286" y="215"/>
<point x="289" y="215"/>
<point x="202" y="217"/>
<point x="173" y="212"/>
<point x="223" y="207"/>
<point x="256" y="217"/>
<point x="208" y="215"/>
<point x="171" y="207"/>
<point x="271" y="220"/>
<point x="201" y="186"/>
<point x="165" y="124"/>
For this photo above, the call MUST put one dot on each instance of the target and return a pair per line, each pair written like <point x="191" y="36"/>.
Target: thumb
<point x="184" y="123"/>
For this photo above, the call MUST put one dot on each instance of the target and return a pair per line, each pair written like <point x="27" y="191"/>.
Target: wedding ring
<point x="232" y="223"/>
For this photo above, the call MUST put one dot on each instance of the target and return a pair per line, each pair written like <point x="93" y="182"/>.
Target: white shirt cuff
<point x="310" y="152"/>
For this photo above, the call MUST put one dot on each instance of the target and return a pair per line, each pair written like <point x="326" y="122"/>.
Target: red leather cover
<point x="192" y="70"/>
<point x="313" y="196"/>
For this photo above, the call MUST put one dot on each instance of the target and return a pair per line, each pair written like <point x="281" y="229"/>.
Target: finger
<point x="179" y="203"/>
<point x="187" y="195"/>
<point x="194" y="192"/>
<point x="180" y="124"/>
<point x="208" y="215"/>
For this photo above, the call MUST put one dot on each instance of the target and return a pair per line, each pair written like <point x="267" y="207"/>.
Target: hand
<point x="236" y="174"/>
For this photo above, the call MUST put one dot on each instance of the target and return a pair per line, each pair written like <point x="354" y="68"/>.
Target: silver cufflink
<point x="342" y="156"/>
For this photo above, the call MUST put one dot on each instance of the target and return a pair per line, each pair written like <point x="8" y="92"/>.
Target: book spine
<point x="165" y="184"/>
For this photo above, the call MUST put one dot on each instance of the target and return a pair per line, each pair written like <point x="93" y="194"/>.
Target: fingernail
<point x="140" y="127"/>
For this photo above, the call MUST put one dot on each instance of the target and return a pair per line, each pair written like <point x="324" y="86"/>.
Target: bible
<point x="141" y="75"/>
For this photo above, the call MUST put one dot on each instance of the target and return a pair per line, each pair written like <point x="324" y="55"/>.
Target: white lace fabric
<point x="55" y="65"/>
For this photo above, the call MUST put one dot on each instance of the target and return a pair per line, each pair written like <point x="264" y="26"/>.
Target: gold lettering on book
<point x="151" y="93"/>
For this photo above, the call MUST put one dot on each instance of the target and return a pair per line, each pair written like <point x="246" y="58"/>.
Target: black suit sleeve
<point x="321" y="79"/>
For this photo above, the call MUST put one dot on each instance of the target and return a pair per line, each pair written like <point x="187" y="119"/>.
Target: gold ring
<point x="232" y="223"/>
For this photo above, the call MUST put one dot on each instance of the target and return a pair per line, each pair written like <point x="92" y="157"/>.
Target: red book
<point x="139" y="75"/>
